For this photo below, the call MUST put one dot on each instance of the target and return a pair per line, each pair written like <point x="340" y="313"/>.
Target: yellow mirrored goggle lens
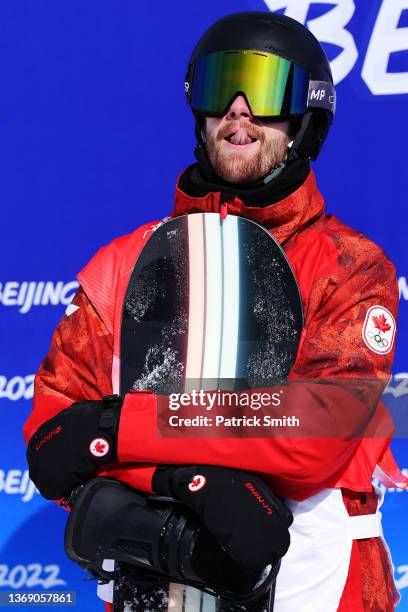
<point x="272" y="85"/>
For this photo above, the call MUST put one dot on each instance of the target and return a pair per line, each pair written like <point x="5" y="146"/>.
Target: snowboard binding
<point x="154" y="541"/>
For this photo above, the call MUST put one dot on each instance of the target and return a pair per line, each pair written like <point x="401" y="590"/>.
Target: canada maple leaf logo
<point x="197" y="483"/>
<point x="100" y="447"/>
<point x="381" y="323"/>
<point x="378" y="330"/>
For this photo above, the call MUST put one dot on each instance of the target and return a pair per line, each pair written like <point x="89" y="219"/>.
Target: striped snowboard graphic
<point x="210" y="304"/>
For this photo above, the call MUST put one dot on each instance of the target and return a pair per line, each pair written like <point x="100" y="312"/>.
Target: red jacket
<point x="341" y="275"/>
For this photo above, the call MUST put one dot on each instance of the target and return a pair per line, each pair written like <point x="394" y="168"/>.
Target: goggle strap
<point x="321" y="94"/>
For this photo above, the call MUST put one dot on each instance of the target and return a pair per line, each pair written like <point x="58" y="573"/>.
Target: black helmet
<point x="285" y="57"/>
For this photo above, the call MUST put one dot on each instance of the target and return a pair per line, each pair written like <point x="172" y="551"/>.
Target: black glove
<point x="154" y="539"/>
<point x="238" y="508"/>
<point x="66" y="449"/>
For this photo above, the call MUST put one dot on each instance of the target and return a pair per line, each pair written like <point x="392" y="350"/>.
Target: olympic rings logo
<point x="383" y="342"/>
<point x="378" y="330"/>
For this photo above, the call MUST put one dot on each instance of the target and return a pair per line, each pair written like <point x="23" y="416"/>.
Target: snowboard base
<point x="132" y="597"/>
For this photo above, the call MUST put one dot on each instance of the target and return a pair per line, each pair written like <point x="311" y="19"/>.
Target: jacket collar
<point x="283" y="219"/>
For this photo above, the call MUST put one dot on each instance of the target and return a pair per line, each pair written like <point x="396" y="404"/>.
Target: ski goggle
<point x="272" y="85"/>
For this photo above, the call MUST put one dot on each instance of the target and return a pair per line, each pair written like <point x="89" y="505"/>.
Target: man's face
<point x="242" y="148"/>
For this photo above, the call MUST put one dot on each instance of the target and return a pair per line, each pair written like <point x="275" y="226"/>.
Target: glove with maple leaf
<point x="238" y="508"/>
<point x="68" y="448"/>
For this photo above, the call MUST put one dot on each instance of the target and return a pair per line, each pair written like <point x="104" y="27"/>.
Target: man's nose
<point x="239" y="109"/>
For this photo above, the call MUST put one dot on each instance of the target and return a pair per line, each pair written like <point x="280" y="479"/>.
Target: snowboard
<point x="211" y="304"/>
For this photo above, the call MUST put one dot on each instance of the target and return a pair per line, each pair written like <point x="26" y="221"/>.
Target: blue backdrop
<point x="94" y="130"/>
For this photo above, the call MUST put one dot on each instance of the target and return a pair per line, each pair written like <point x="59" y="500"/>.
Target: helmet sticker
<point x="379" y="330"/>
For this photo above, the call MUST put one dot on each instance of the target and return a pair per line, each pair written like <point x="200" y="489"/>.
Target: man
<point x="261" y="90"/>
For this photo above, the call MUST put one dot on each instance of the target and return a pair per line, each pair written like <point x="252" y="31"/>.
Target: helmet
<point x="276" y="63"/>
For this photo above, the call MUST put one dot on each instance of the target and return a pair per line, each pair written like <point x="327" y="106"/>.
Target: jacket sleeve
<point x="76" y="368"/>
<point x="333" y="348"/>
